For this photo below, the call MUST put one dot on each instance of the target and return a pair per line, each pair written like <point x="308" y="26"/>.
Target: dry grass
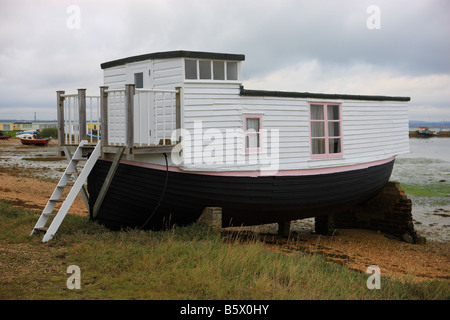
<point x="183" y="263"/>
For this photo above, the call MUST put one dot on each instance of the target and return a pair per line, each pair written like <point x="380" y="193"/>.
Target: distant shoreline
<point x="441" y="134"/>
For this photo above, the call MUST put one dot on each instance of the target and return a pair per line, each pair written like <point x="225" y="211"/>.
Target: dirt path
<point x="23" y="186"/>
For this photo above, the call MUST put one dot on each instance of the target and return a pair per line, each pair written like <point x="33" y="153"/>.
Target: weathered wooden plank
<point x="129" y="118"/>
<point x="104" y="115"/>
<point x="60" y="113"/>
<point x="82" y="113"/>
<point x="107" y="182"/>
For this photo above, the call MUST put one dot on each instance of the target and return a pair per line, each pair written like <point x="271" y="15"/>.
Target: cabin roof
<point x="174" y="54"/>
<point x="327" y="96"/>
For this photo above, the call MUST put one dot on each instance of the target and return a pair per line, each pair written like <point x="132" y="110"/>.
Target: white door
<point x="141" y="74"/>
<point x="144" y="115"/>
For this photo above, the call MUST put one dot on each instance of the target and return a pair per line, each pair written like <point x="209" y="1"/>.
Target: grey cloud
<point x="40" y="54"/>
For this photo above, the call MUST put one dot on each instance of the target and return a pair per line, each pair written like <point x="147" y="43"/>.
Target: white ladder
<point x="70" y="171"/>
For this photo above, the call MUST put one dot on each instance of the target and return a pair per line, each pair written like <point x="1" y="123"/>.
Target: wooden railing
<point x="74" y="110"/>
<point x="123" y="117"/>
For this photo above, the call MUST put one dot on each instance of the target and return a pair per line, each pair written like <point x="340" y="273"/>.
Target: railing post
<point x="178" y="110"/>
<point x="129" y="115"/>
<point x="103" y="132"/>
<point x="60" y="115"/>
<point x="82" y="113"/>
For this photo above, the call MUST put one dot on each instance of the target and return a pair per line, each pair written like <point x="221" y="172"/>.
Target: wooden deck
<point x="141" y="120"/>
<point x="129" y="152"/>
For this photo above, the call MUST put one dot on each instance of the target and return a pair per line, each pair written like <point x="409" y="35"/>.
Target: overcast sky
<point x="327" y="46"/>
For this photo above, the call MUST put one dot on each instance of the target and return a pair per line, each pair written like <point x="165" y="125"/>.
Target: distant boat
<point x="35" y="141"/>
<point x="25" y="132"/>
<point x="4" y="137"/>
<point x="427" y="132"/>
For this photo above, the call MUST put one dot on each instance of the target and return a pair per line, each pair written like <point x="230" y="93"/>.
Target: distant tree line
<point x="47" y="133"/>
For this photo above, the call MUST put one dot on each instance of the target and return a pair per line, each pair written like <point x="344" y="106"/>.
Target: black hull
<point x="153" y="199"/>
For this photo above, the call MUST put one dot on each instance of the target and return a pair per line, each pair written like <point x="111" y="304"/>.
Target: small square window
<point x="317" y="129"/>
<point x="232" y="71"/>
<point x="139" y="80"/>
<point x="205" y="69"/>
<point x="317" y="112"/>
<point x="190" y="69"/>
<point x="333" y="112"/>
<point x="219" y="70"/>
<point x="318" y="146"/>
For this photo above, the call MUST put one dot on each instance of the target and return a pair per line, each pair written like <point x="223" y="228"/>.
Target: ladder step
<point x="57" y="200"/>
<point x="49" y="214"/>
<point x="43" y="229"/>
<point x="72" y="173"/>
<point x="79" y="159"/>
<point x="66" y="186"/>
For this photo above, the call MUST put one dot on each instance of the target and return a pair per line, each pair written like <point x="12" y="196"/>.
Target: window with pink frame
<point x="253" y="126"/>
<point x="326" y="133"/>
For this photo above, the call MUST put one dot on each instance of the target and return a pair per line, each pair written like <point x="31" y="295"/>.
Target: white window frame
<point x="326" y="137"/>
<point x="249" y="150"/>
<point x="211" y="79"/>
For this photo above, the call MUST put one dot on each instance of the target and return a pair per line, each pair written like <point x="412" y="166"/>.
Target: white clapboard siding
<point x="223" y="108"/>
<point x="167" y="73"/>
<point x="115" y="77"/>
<point x="374" y="130"/>
<point x="371" y="130"/>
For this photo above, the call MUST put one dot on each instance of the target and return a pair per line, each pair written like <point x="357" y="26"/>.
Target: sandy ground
<point x="30" y="186"/>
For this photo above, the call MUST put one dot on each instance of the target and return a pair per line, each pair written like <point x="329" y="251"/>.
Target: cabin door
<point x="144" y="110"/>
<point x="140" y="74"/>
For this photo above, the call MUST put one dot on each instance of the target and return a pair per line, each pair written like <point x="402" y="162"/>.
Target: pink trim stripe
<point x="300" y="172"/>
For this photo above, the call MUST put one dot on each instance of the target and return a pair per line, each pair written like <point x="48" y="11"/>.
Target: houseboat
<point x="193" y="136"/>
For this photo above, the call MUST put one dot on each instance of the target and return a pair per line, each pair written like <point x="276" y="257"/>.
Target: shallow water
<point x="13" y="158"/>
<point x="427" y="165"/>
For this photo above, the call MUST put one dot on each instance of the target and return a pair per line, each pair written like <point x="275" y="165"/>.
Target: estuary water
<point x="425" y="175"/>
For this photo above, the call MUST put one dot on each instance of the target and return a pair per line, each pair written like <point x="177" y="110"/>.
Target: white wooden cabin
<point x="371" y="128"/>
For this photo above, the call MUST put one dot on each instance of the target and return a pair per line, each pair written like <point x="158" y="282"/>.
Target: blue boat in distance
<point x="427" y="132"/>
<point x="26" y="132"/>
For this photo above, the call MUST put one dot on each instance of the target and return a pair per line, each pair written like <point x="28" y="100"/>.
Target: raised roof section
<point x="175" y="54"/>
